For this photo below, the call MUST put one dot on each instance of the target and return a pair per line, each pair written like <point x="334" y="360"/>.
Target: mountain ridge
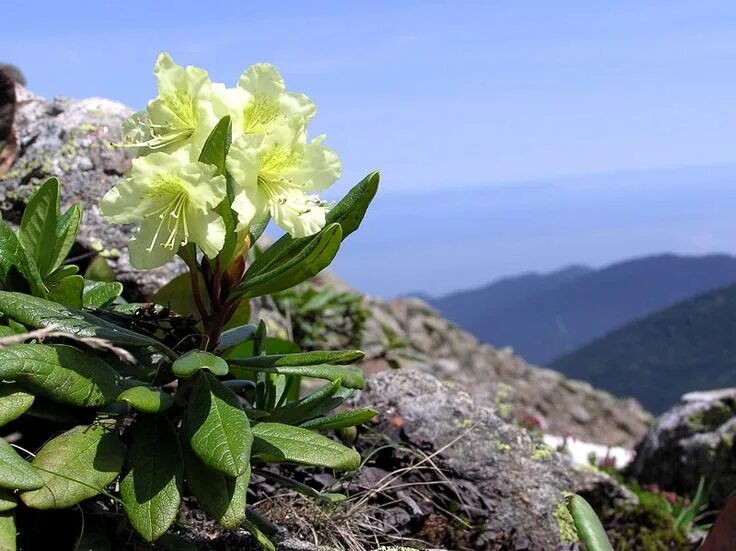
<point x="685" y="347"/>
<point x="548" y="315"/>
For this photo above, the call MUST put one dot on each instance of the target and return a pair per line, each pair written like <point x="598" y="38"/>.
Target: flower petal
<point x="262" y="79"/>
<point x="320" y="167"/>
<point x="146" y="248"/>
<point x="298" y="213"/>
<point x="207" y="231"/>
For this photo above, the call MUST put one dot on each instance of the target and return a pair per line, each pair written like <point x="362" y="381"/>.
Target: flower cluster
<point x="276" y="171"/>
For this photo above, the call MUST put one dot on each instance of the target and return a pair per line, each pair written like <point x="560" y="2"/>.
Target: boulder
<point x="75" y="141"/>
<point x="694" y="439"/>
<point x="445" y="453"/>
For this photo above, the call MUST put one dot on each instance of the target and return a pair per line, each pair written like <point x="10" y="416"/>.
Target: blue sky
<point x="450" y="100"/>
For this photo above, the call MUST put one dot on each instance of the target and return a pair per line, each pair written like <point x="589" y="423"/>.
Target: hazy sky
<point x="445" y="97"/>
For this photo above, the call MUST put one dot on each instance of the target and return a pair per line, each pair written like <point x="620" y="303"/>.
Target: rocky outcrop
<point x="508" y="485"/>
<point x="693" y="439"/>
<point x="73" y="140"/>
<point x="414" y="334"/>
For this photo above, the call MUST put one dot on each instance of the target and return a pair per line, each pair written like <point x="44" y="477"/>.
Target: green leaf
<point x="588" y="525"/>
<point x="305" y="408"/>
<point x="146" y="399"/>
<point x="14" y="402"/>
<point x="37" y="313"/>
<point x="192" y="362"/>
<point x="177" y="295"/>
<point x="217" y="427"/>
<point x="68" y="291"/>
<point x="255" y="531"/>
<point x="151" y="486"/>
<point x="17" y="269"/>
<point x="100" y="293"/>
<point x="317" y="357"/>
<point x="61" y="372"/>
<point x="276" y="443"/>
<point x="341" y="420"/>
<point x="7" y="502"/>
<point x="222" y="497"/>
<point x="38" y="226"/>
<point x="256" y="230"/>
<point x="7" y="531"/>
<point x="75" y="466"/>
<point x="310" y="261"/>
<point x="351" y="377"/>
<point x="349" y="213"/>
<point x="324" y="497"/>
<point x="99" y="270"/>
<point x="67" y="228"/>
<point x="273" y="344"/>
<point x="214" y="151"/>
<point x="15" y="472"/>
<point x="60" y="273"/>
<point x="235" y="336"/>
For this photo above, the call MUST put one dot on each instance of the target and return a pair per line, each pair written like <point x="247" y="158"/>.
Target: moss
<point x="541" y="451"/>
<point x="503" y="447"/>
<point x="711" y="418"/>
<point x="565" y="523"/>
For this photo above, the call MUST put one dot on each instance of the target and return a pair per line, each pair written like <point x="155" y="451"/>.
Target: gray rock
<point x="693" y="439"/>
<point x="510" y="485"/>
<point x="412" y="334"/>
<point x="72" y="140"/>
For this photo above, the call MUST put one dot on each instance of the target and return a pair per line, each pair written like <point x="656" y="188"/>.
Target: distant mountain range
<point x="544" y="316"/>
<point x="688" y="346"/>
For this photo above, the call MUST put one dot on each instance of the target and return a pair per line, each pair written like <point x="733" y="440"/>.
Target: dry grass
<point x="359" y="523"/>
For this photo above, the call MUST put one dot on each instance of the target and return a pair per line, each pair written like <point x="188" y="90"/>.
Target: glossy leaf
<point x="68" y="291"/>
<point x="15" y="472"/>
<point x="349" y="213"/>
<point x="75" y="466"/>
<point x="276" y="442"/>
<point x="37" y="231"/>
<point x="316" y="357"/>
<point x="222" y="497"/>
<point x="341" y="420"/>
<point x="588" y="525"/>
<point x="307" y="407"/>
<point x="217" y="427"/>
<point x="7" y="501"/>
<point x="196" y="360"/>
<point x="61" y="372"/>
<point x="214" y="151"/>
<point x="67" y="228"/>
<point x="17" y="269"/>
<point x="235" y="336"/>
<point x="151" y="486"/>
<point x="100" y="293"/>
<point x="60" y="273"/>
<point x="146" y="399"/>
<point x="7" y="531"/>
<point x="324" y="497"/>
<point x="310" y="261"/>
<point x="36" y="313"/>
<point x="14" y="402"/>
<point x="351" y="377"/>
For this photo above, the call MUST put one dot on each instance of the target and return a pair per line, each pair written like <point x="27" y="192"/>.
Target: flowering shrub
<point x="142" y="404"/>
